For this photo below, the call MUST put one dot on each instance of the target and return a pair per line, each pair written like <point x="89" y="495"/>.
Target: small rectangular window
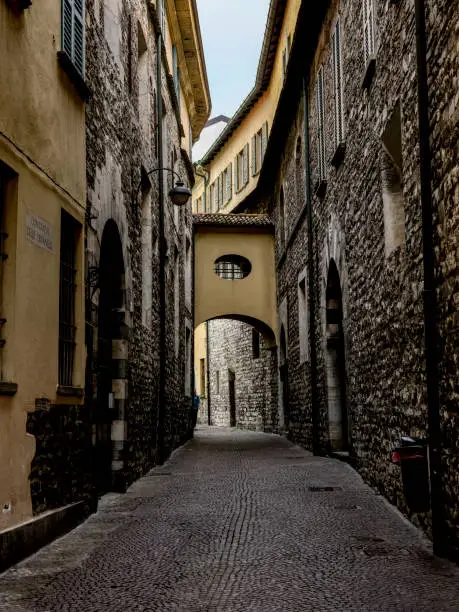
<point x="67" y="299"/>
<point x="73" y="32"/>
<point x="217" y="382"/>
<point x="320" y="123"/>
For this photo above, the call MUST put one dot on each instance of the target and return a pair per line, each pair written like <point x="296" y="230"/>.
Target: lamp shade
<point x="179" y="194"/>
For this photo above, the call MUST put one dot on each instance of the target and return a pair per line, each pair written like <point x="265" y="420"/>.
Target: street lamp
<point x="179" y="196"/>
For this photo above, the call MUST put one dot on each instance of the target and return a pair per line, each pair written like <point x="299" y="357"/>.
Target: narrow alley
<point x="238" y="521"/>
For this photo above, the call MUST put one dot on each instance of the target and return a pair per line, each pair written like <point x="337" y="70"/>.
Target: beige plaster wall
<point x="42" y="139"/>
<point x="254" y="296"/>
<point x="200" y="352"/>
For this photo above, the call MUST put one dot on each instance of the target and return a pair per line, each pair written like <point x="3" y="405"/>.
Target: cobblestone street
<point x="236" y="521"/>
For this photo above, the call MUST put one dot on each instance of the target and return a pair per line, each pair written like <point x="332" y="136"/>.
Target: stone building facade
<point x="241" y="374"/>
<point x="125" y="151"/>
<point x="341" y="179"/>
<point x="103" y="404"/>
<point x="354" y="381"/>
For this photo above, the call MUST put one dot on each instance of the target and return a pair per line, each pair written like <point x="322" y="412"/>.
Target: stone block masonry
<point x="367" y="245"/>
<point x="234" y="366"/>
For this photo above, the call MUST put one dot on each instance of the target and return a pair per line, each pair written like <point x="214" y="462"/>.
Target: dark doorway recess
<point x="232" y="397"/>
<point x="283" y="376"/>
<point x="336" y="364"/>
<point x="111" y="301"/>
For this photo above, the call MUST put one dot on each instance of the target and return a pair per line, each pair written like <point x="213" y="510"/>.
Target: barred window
<point x="232" y="267"/>
<point x="67" y="299"/>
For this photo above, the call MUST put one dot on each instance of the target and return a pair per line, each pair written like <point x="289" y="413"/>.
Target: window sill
<point x="338" y="155"/>
<point x="73" y="74"/>
<point x="8" y="388"/>
<point x="64" y="391"/>
<point x="369" y="73"/>
<point x="320" y="188"/>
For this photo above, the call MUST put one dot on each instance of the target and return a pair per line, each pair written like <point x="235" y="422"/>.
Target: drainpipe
<point x="206" y="178"/>
<point x="439" y="534"/>
<point x="312" y="307"/>
<point x="162" y="263"/>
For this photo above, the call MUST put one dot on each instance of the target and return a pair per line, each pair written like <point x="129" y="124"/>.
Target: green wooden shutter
<point x="264" y="141"/>
<point x="229" y="182"/>
<point x="246" y="164"/>
<point x="254" y="155"/>
<point x="236" y="182"/>
<point x="73" y="32"/>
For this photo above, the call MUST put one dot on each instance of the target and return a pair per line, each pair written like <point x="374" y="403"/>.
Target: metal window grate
<point x="232" y="267"/>
<point x="67" y="291"/>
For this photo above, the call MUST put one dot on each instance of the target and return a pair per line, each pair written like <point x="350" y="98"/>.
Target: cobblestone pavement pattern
<point x="230" y="523"/>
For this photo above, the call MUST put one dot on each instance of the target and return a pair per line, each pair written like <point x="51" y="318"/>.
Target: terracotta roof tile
<point x="232" y="220"/>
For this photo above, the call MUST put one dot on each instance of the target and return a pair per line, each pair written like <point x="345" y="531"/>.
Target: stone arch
<point x="334" y="299"/>
<point x="112" y="358"/>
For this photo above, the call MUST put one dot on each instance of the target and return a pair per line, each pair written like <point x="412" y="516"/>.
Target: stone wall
<point x="377" y="319"/>
<point x="231" y="355"/>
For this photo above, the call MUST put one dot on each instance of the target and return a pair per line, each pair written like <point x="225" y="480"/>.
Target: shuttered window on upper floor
<point x="73" y="32"/>
<point x="229" y="182"/>
<point x="369" y="32"/>
<point x="338" y="85"/>
<point x="320" y="102"/>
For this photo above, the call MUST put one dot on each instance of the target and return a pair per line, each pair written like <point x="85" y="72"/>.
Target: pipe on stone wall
<point x="431" y="335"/>
<point x="312" y="308"/>
<point x="162" y="262"/>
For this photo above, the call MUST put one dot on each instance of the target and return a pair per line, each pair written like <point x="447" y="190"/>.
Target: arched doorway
<point x="111" y="361"/>
<point x="336" y="363"/>
<point x="283" y="379"/>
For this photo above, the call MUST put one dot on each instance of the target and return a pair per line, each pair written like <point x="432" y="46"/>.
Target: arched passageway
<point x="112" y="353"/>
<point x="335" y="361"/>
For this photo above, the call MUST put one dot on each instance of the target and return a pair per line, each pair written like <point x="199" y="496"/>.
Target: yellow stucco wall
<point x="254" y="296"/>
<point x="263" y="110"/>
<point x="200" y="352"/>
<point x="42" y="140"/>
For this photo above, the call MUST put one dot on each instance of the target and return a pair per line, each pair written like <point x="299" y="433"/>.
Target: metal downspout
<point x="162" y="261"/>
<point x="312" y="308"/>
<point x="430" y="307"/>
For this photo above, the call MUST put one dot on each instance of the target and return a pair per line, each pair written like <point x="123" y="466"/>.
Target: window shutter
<point x="254" y="155"/>
<point x="264" y="141"/>
<point x="216" y="196"/>
<point x="338" y="85"/>
<point x="221" y="190"/>
<point x="73" y="32"/>
<point x="368" y="29"/>
<point x="229" y="184"/>
<point x="236" y="181"/>
<point x="246" y="164"/>
<point x="320" y="123"/>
